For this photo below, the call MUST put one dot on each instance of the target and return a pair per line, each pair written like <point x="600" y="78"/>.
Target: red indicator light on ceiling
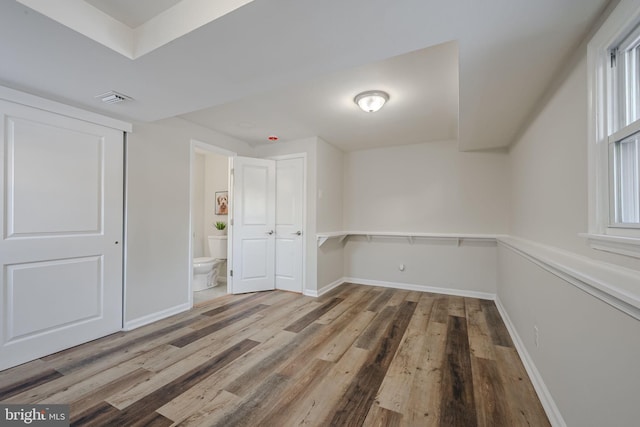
<point x="272" y="138"/>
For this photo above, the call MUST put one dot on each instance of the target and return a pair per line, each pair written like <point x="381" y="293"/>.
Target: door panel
<point x="254" y="262"/>
<point x="40" y="173"/>
<point x="53" y="282"/>
<point x="61" y="246"/>
<point x="253" y="229"/>
<point x="255" y="189"/>
<point x="285" y="252"/>
<point x="287" y="185"/>
<point x="289" y="223"/>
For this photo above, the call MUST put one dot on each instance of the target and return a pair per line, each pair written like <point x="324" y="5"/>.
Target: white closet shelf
<point x="411" y="236"/>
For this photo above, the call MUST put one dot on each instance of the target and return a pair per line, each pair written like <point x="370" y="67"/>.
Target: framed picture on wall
<point x="222" y="199"/>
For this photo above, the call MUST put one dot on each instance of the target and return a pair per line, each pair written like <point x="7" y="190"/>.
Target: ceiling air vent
<point x="113" y="97"/>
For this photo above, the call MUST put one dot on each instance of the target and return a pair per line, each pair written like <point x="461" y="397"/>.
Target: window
<point x="624" y="111"/>
<point x="624" y="161"/>
<point x="614" y="132"/>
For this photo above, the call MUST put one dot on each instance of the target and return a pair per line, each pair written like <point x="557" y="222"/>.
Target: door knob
<point x="270" y="232"/>
<point x="298" y="233"/>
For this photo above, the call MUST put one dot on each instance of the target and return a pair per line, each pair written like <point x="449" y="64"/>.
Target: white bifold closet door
<point x="268" y="224"/>
<point x="289" y="223"/>
<point x="254" y="223"/>
<point x="61" y="188"/>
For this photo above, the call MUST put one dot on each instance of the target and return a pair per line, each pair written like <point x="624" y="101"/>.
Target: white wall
<point x="216" y="178"/>
<point x="330" y="212"/>
<point x="330" y="187"/>
<point x="589" y="351"/>
<point x="468" y="269"/>
<point x="157" y="259"/>
<point x="426" y="188"/>
<point x="549" y="170"/>
<point x="197" y="211"/>
<point x="431" y="187"/>
<point x="549" y="173"/>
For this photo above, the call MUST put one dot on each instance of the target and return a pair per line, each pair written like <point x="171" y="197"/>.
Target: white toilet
<point x="206" y="270"/>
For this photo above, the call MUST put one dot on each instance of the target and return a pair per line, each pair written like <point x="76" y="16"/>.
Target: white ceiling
<point x="423" y="105"/>
<point x="253" y="69"/>
<point x="110" y="23"/>
<point x="133" y="13"/>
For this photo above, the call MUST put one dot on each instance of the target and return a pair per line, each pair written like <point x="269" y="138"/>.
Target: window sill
<point x="629" y="246"/>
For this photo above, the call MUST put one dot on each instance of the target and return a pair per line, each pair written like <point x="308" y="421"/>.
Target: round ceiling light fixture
<point x="371" y="100"/>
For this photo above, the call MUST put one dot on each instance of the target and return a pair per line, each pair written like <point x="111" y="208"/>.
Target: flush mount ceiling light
<point x="371" y="100"/>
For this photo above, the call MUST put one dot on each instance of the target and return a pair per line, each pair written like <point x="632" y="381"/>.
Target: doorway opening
<point x="247" y="220"/>
<point x="210" y="209"/>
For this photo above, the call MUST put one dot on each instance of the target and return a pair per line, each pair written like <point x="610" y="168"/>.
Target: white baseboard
<point x="324" y="290"/>
<point x="549" y="405"/>
<point x="421" y="288"/>
<point x="154" y="317"/>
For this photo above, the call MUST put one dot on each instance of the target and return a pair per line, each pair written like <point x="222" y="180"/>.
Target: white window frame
<point x="604" y="233"/>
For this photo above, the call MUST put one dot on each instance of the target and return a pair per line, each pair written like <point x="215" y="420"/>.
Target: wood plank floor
<point x="356" y="356"/>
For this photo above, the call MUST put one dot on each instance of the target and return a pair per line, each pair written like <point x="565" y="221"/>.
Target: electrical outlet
<point x="536" y="336"/>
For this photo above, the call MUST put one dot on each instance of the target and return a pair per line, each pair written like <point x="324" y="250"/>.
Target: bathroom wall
<point x="197" y="210"/>
<point x="216" y="178"/>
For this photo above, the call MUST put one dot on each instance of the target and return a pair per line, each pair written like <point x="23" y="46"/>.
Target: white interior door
<point x="289" y="223"/>
<point x="61" y="246"/>
<point x="253" y="229"/>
